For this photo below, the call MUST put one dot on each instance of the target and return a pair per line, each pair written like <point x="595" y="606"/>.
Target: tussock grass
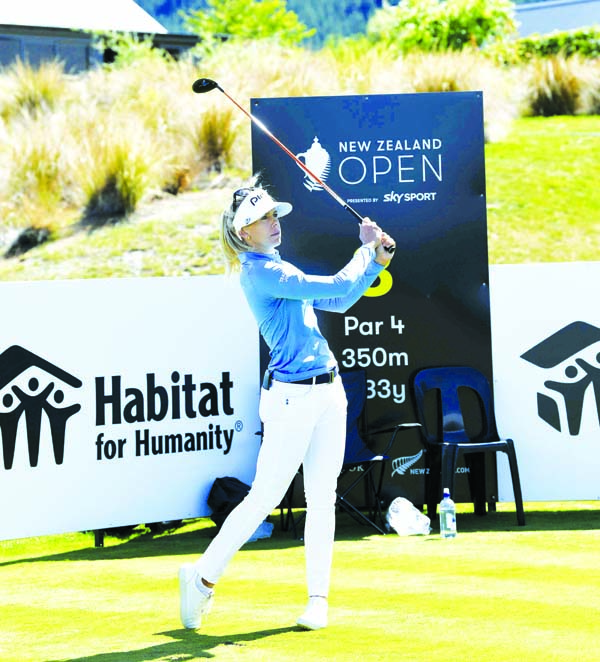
<point x="118" y="173"/>
<point x="216" y="136"/>
<point x="468" y="71"/>
<point x="360" y="67"/>
<point x="39" y="169"/>
<point x="562" y="86"/>
<point x="30" y="90"/>
<point x="100" y="144"/>
<point x="542" y="206"/>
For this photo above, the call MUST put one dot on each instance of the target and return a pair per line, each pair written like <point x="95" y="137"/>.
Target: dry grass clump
<point x="350" y="68"/>
<point x="111" y="138"/>
<point x="562" y="86"/>
<point x="266" y="69"/>
<point x="32" y="91"/>
<point x="97" y="144"/>
<point x="363" y="68"/>
<point x="216" y="136"/>
<point x="117" y="170"/>
<point x="467" y="71"/>
<point x="37" y="153"/>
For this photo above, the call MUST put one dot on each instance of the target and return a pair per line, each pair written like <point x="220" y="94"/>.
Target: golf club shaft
<point x="303" y="166"/>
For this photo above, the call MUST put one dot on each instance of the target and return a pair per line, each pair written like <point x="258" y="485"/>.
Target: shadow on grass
<point x="189" y="645"/>
<point x="184" y="543"/>
<point x="196" y="541"/>
<point x="536" y="521"/>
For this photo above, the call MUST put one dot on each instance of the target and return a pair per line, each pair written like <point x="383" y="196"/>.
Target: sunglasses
<point x="238" y="197"/>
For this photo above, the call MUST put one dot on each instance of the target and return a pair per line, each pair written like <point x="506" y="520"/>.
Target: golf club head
<point x="204" y="85"/>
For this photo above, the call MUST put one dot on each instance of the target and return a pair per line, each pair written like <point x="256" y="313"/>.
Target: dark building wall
<point x="36" y="45"/>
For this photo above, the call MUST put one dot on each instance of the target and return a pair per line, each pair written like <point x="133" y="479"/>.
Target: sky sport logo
<point x="571" y="357"/>
<point x="29" y="389"/>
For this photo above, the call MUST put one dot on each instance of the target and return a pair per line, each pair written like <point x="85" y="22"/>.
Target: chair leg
<point x="355" y="512"/>
<point x="432" y="481"/>
<point x="514" y="472"/>
<point x="378" y="513"/>
<point x="476" y="463"/>
<point x="449" y="459"/>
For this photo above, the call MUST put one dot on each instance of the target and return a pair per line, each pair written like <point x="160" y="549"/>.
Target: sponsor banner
<point x="546" y="351"/>
<point x="122" y="400"/>
<point x="415" y="164"/>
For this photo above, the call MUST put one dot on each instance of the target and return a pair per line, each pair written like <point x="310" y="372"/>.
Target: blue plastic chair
<point x="446" y="439"/>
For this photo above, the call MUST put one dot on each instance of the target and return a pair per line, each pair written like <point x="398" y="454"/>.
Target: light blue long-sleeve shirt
<point x="283" y="298"/>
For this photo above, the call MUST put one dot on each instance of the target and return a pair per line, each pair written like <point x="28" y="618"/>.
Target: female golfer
<point x="302" y="404"/>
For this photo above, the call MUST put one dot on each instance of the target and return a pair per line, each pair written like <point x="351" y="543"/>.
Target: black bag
<point x="225" y="494"/>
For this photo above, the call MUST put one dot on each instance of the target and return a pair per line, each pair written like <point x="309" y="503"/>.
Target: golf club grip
<point x="347" y="207"/>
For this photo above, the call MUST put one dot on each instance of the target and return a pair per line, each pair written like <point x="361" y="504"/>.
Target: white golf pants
<point x="303" y="424"/>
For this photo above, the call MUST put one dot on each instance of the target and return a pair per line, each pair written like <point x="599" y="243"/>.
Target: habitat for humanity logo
<point x="28" y="387"/>
<point x="318" y="161"/>
<point x="573" y="355"/>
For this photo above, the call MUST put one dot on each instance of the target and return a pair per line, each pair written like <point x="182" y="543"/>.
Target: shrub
<point x="585" y="43"/>
<point x="431" y="25"/>
<point x="129" y="49"/>
<point x="245" y="20"/>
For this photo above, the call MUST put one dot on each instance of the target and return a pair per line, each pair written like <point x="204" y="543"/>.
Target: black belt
<point x="325" y="378"/>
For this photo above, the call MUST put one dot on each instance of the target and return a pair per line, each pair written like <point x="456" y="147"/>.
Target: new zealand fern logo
<point x="31" y="388"/>
<point x="402" y="464"/>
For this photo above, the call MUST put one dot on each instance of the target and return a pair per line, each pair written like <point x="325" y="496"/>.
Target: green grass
<point x="542" y="191"/>
<point x="543" y="206"/>
<point x="175" y="237"/>
<point x="498" y="592"/>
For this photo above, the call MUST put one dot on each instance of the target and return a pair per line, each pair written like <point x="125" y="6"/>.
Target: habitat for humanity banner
<point x="414" y="163"/>
<point x="546" y="341"/>
<point x="122" y="400"/>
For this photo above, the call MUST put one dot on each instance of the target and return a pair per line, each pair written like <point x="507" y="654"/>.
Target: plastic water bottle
<point x="447" y="511"/>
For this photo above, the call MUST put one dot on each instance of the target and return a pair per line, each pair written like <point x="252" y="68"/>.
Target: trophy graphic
<point x="317" y="160"/>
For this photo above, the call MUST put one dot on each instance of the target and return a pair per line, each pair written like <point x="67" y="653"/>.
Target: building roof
<point x="105" y="15"/>
<point x="547" y="17"/>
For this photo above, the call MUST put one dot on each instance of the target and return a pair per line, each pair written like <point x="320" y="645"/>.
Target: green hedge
<point x="584" y="42"/>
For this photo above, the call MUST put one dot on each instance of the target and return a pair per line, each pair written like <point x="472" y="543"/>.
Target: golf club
<point x="203" y="85"/>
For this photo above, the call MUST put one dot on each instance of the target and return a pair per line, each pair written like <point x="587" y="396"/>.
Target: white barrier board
<point x="121" y="400"/>
<point x="546" y="357"/>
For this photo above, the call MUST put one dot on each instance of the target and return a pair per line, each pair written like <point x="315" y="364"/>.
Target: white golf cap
<point x="254" y="206"/>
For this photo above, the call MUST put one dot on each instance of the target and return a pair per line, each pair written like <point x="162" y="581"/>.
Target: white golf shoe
<point x="194" y="602"/>
<point x="315" y="615"/>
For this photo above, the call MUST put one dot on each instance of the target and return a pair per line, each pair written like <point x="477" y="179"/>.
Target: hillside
<point x="542" y="207"/>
